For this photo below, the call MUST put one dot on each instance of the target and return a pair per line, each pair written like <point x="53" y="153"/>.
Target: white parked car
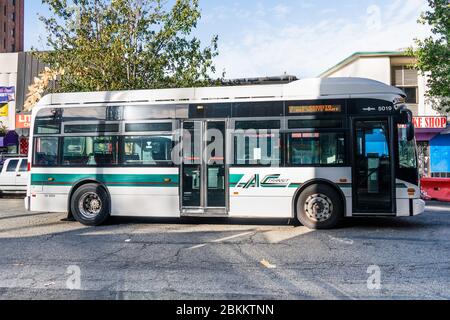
<point x="14" y="175"/>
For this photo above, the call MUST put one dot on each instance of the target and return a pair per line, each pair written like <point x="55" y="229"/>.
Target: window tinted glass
<point x="148" y="151"/>
<point x="315" y="123"/>
<point x="12" y="165"/>
<point x="248" y="125"/>
<point x="89" y="151"/>
<point x="23" y="166"/>
<point x="316" y="148"/>
<point x="219" y="110"/>
<point x="151" y="127"/>
<point x="86" y="128"/>
<point x="46" y="151"/>
<point x="257" y="148"/>
<point x="48" y="121"/>
<point x="151" y="112"/>
<point x="411" y="94"/>
<point x="216" y="110"/>
<point x="258" y="109"/>
<point x="86" y="113"/>
<point x="47" y="127"/>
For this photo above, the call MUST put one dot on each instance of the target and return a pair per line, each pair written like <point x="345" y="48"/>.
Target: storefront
<point x="433" y="140"/>
<point x="433" y="143"/>
<point x="23" y="124"/>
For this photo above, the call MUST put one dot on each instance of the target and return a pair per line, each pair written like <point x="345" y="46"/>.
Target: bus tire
<point x="319" y="207"/>
<point x="90" y="205"/>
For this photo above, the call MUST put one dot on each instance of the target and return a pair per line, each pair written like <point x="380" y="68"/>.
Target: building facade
<point x="394" y="68"/>
<point x="11" y="26"/>
<point x="17" y="73"/>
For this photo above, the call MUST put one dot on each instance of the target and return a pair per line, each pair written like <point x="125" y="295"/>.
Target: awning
<point x="446" y="131"/>
<point x="428" y="134"/>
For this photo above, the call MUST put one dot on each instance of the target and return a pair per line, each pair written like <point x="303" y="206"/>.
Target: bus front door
<point x="203" y="168"/>
<point x="373" y="175"/>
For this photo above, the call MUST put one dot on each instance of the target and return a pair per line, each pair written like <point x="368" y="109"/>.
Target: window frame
<point x="91" y="133"/>
<point x="344" y="132"/>
<point x="170" y="164"/>
<point x="47" y="121"/>
<point x="175" y="126"/>
<point x="231" y="134"/>
<point x="58" y="151"/>
<point x="124" y="132"/>
<point x="16" y="167"/>
<point x="343" y="120"/>
<point x="416" y="98"/>
<point x="22" y="162"/>
<point x="61" y="152"/>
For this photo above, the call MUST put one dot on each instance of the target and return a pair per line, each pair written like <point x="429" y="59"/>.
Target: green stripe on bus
<point x="119" y="180"/>
<point x="342" y="185"/>
<point x="234" y="179"/>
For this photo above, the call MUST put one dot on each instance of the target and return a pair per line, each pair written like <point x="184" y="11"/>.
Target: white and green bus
<point x="318" y="150"/>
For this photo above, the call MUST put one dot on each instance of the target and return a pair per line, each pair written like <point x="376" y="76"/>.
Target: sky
<point x="297" y="37"/>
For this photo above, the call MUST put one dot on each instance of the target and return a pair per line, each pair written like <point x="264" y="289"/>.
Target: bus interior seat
<point x="132" y="158"/>
<point x="104" y="159"/>
<point x="82" y="160"/>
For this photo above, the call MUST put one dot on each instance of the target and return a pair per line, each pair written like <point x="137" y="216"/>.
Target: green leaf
<point x="106" y="45"/>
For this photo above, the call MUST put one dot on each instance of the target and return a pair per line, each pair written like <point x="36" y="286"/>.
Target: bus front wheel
<point x="90" y="205"/>
<point x="319" y="207"/>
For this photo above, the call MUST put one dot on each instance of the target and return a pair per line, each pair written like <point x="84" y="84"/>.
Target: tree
<point x="105" y="45"/>
<point x="433" y="54"/>
<point x="40" y="86"/>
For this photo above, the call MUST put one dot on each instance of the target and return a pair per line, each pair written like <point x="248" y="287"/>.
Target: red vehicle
<point x="436" y="189"/>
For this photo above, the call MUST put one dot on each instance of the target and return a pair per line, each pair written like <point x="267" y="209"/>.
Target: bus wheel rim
<point x="318" y="207"/>
<point x="90" y="205"/>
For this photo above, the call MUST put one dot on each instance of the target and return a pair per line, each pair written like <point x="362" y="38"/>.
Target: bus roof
<point x="315" y="88"/>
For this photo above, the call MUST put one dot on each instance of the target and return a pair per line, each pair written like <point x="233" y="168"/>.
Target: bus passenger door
<point x="373" y="175"/>
<point x="203" y="169"/>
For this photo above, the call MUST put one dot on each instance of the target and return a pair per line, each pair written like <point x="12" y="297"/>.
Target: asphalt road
<point x="42" y="257"/>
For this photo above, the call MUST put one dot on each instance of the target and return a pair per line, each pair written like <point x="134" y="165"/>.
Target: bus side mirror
<point x="410" y="132"/>
<point x="406" y="118"/>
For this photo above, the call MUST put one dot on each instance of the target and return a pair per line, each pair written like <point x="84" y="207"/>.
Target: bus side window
<point x="316" y="149"/>
<point x="46" y="153"/>
<point x="90" y="151"/>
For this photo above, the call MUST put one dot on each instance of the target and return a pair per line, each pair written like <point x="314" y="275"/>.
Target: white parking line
<point x="221" y="240"/>
<point x="277" y="236"/>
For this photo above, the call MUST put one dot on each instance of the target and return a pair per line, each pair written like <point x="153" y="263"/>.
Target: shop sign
<point x="23" y="121"/>
<point x="3" y="110"/>
<point x="7" y="94"/>
<point x="430" y="122"/>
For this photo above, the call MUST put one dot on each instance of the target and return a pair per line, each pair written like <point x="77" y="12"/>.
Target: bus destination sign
<point x="328" y="108"/>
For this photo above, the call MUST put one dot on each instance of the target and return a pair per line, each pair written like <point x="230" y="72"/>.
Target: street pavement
<point x="43" y="257"/>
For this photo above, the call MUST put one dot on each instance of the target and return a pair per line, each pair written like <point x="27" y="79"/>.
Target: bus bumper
<point x="27" y="203"/>
<point x="418" y="207"/>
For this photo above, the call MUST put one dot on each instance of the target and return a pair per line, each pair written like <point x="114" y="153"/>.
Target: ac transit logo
<point x="270" y="181"/>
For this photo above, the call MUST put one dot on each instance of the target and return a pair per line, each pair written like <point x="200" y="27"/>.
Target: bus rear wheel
<point x="90" y="205"/>
<point x="319" y="207"/>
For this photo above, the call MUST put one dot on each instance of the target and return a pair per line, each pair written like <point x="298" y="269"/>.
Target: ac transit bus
<point x="317" y="150"/>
